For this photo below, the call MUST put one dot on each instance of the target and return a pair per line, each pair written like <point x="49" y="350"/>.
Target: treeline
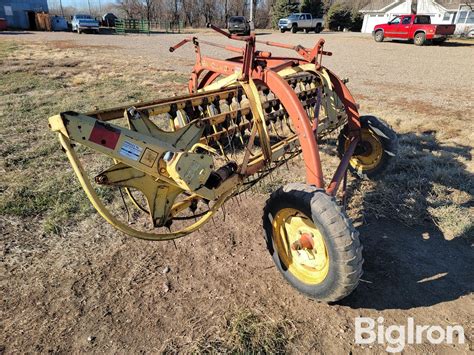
<point x="339" y="14"/>
<point x="196" y="13"/>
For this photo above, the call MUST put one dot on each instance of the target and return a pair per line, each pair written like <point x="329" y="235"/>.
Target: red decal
<point x="105" y="135"/>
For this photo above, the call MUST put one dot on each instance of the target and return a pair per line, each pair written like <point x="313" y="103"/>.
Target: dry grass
<point x="245" y="332"/>
<point x="36" y="82"/>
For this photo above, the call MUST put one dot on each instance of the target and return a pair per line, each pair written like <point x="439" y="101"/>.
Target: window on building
<point x="447" y="16"/>
<point x="8" y="10"/>
<point x="462" y="16"/>
<point x="470" y="17"/>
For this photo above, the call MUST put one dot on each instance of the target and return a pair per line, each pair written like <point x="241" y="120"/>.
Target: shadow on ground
<point x="411" y="267"/>
<point x="14" y="33"/>
<point x="407" y="267"/>
<point x="449" y="43"/>
<point x="457" y="44"/>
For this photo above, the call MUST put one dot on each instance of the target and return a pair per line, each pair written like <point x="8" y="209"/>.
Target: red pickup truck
<point x="413" y="27"/>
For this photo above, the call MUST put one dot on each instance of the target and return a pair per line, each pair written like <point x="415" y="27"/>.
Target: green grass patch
<point x="7" y="47"/>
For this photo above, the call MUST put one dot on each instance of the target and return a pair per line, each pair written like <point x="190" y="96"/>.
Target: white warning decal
<point x="130" y="150"/>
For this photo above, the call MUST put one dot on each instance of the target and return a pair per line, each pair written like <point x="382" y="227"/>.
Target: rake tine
<point x="125" y="205"/>
<point x="288" y="124"/>
<point x="241" y="136"/>
<point x="230" y="143"/>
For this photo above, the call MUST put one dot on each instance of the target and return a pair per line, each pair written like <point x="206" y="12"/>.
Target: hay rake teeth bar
<point x="252" y="112"/>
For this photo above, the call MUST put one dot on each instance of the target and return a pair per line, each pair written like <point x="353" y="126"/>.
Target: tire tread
<point x="338" y="228"/>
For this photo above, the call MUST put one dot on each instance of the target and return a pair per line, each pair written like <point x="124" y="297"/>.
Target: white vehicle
<point x="300" y="22"/>
<point x="83" y="23"/>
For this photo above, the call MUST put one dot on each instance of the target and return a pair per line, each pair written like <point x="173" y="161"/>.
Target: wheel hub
<point x="368" y="153"/>
<point x="301" y="246"/>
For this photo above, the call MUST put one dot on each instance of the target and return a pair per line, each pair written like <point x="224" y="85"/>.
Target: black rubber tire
<point x="294" y="29"/>
<point x="420" y="39"/>
<point x="389" y="145"/>
<point x="378" y="36"/>
<point x="282" y="30"/>
<point x="318" y="28"/>
<point x="340" y="236"/>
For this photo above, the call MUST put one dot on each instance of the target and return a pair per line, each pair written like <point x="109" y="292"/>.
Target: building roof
<point x="451" y="4"/>
<point x="379" y="5"/>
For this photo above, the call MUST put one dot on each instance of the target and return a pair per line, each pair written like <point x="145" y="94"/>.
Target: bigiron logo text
<point x="395" y="337"/>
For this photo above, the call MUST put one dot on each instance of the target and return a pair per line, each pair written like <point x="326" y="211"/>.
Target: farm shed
<point x="20" y="14"/>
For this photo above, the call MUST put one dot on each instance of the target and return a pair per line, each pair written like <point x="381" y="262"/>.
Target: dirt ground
<point x="73" y="284"/>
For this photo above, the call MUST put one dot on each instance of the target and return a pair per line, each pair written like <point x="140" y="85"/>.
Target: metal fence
<point x="123" y="26"/>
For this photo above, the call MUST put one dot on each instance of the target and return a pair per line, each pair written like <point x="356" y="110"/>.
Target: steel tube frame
<point x="253" y="66"/>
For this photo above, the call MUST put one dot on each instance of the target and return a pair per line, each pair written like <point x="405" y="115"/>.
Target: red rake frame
<point x="263" y="67"/>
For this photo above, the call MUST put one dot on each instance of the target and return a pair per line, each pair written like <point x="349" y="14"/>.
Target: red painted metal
<point x="263" y="66"/>
<point x="301" y="122"/>
<point x="105" y="135"/>
<point x="342" y="168"/>
<point x="349" y="103"/>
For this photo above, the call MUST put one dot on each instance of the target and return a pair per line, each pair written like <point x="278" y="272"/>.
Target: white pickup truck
<point x="83" y="23"/>
<point x="300" y="22"/>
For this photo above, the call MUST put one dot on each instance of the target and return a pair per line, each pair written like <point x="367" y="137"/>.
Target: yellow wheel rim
<point x="300" y="246"/>
<point x="373" y="155"/>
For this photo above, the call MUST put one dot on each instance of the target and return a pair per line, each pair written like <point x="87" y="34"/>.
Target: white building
<point x="459" y="12"/>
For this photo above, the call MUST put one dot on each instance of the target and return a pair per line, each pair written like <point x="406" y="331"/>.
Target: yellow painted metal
<point x="253" y="96"/>
<point x="180" y="138"/>
<point x="103" y="211"/>
<point x="222" y="83"/>
<point x="159" y="195"/>
<point x="373" y="157"/>
<point x="79" y="128"/>
<point x="160" y="180"/>
<point x="309" y="265"/>
<point x="190" y="170"/>
<point x="331" y="103"/>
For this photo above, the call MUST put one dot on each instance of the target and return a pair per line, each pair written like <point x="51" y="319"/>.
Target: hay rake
<point x="180" y="159"/>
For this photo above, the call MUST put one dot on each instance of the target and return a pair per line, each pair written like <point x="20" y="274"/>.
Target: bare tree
<point x="197" y="13"/>
<point x="131" y="8"/>
<point x="149" y="6"/>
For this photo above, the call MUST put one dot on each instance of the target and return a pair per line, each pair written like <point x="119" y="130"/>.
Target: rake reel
<point x="180" y="159"/>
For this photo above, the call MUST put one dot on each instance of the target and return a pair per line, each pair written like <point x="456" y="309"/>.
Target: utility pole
<point x="252" y="26"/>
<point x="225" y="12"/>
<point x="61" y="7"/>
